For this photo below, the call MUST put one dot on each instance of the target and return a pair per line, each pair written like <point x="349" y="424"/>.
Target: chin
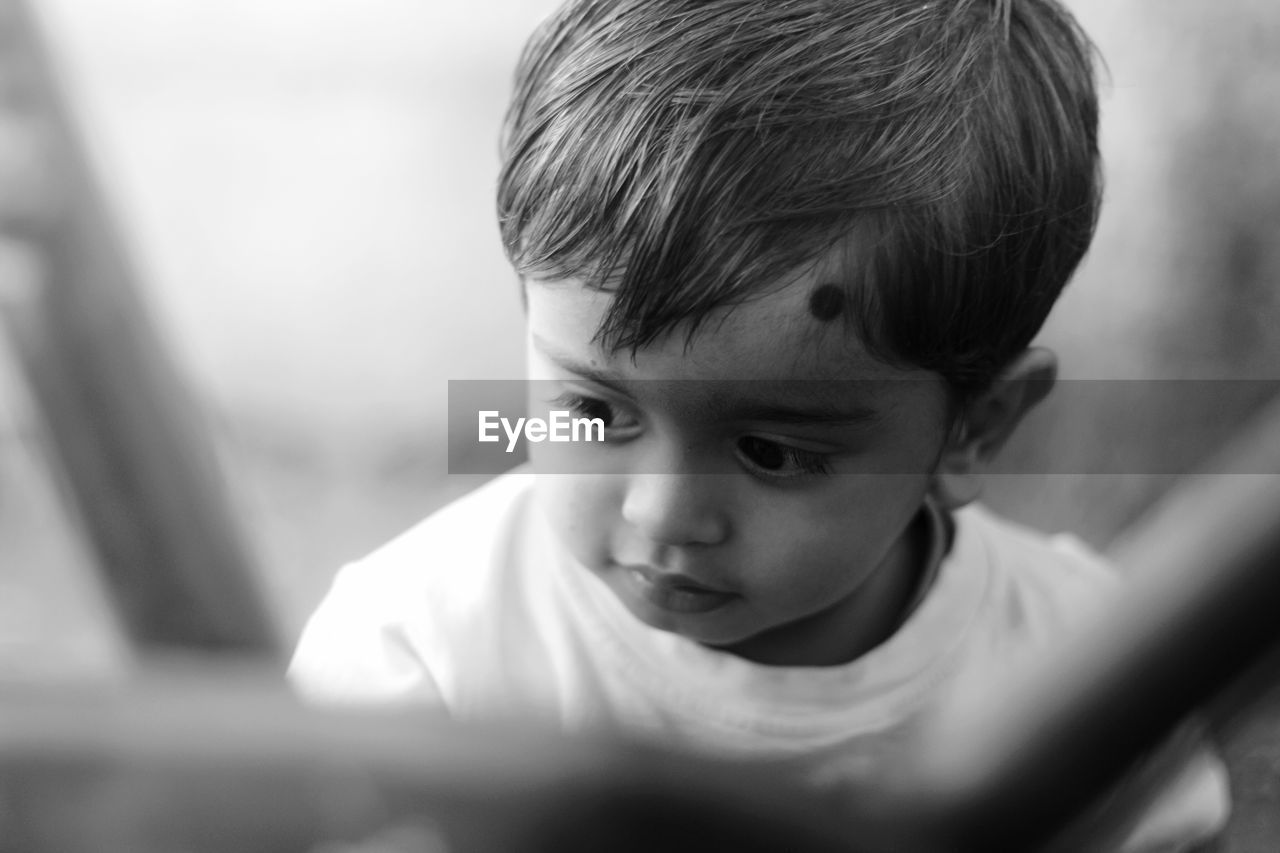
<point x="698" y="628"/>
<point x="712" y="636"/>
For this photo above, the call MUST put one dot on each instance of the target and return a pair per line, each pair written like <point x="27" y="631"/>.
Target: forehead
<point x="773" y="336"/>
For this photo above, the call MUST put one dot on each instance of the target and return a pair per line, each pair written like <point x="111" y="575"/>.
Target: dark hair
<point x="687" y="154"/>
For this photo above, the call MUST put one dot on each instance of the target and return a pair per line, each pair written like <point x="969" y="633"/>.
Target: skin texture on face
<point x="757" y="489"/>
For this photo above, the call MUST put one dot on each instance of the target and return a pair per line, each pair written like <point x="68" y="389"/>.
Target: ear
<point x="987" y="422"/>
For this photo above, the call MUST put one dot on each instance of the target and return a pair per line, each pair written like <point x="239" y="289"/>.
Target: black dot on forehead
<point x="826" y="302"/>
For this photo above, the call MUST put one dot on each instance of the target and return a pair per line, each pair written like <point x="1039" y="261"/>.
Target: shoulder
<point x="387" y="616"/>
<point x="1037" y="582"/>
<point x="1039" y="589"/>
<point x="471" y="530"/>
<point x="455" y="551"/>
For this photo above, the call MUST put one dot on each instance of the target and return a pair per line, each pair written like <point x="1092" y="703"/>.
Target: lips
<point x="672" y="592"/>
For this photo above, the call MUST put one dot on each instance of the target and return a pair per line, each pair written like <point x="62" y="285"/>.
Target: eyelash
<point x="587" y="407"/>
<point x="804" y="462"/>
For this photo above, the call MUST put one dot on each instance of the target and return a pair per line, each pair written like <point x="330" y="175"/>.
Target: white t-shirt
<point x="478" y="611"/>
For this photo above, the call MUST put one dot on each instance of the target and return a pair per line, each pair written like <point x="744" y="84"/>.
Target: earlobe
<point x="987" y="422"/>
<point x="958" y="481"/>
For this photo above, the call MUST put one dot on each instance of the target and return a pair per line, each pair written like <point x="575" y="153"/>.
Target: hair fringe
<point x="687" y="155"/>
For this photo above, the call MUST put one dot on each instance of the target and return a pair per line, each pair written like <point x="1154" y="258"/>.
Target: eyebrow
<point x="816" y="410"/>
<point x="817" y="407"/>
<point x="573" y="365"/>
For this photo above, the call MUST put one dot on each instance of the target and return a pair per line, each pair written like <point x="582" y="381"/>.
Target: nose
<point x="677" y="509"/>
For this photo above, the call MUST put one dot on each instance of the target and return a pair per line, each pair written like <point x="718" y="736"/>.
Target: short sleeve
<point x="355" y="649"/>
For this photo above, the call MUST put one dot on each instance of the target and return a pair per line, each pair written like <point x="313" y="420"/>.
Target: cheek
<point x="579" y="510"/>
<point x="837" y="539"/>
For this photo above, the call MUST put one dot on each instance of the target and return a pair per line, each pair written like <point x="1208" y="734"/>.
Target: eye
<point x="585" y="407"/>
<point x="780" y="460"/>
<point x="616" y="420"/>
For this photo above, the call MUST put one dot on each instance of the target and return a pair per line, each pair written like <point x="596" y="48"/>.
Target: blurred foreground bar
<point x="234" y="763"/>
<point x="125" y="433"/>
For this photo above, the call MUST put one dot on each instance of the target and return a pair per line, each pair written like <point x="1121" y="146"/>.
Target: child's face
<point x="795" y="549"/>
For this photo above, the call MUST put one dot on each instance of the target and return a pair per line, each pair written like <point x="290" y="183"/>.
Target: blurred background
<point x="307" y="191"/>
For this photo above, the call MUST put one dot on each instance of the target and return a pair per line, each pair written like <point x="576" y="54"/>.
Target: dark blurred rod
<point x="129" y="439"/>
<point x="1201" y="607"/>
<point x="213" y="762"/>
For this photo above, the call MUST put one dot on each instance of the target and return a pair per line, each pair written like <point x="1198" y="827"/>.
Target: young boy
<point x="791" y="254"/>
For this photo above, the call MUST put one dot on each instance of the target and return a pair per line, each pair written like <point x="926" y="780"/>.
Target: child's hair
<point x="686" y="154"/>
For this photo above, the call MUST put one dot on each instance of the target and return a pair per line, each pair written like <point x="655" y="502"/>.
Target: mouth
<point x="672" y="592"/>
